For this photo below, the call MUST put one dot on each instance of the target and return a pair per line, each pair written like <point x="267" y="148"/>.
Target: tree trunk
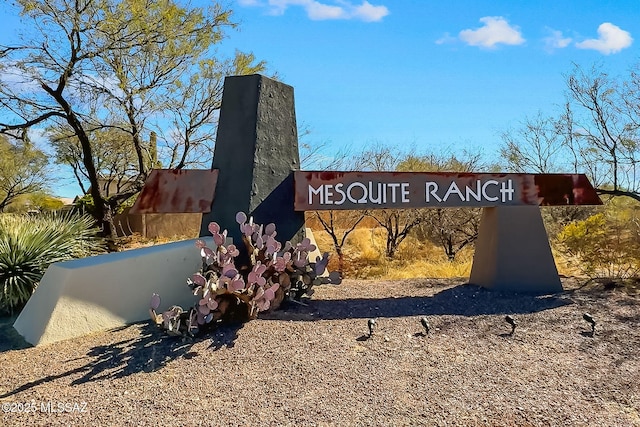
<point x="340" y="258"/>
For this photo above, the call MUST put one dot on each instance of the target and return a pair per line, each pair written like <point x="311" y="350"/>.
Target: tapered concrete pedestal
<point x="513" y="252"/>
<point x="256" y="153"/>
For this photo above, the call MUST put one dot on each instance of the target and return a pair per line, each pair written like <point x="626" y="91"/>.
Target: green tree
<point x="452" y="229"/>
<point x="397" y="223"/>
<point x="23" y="170"/>
<point x="115" y="163"/>
<point x="90" y="67"/>
<point x="44" y="202"/>
<point x="35" y="202"/>
<point x="596" y="132"/>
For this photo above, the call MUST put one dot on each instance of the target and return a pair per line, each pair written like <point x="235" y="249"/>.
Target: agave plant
<point x="28" y="245"/>
<point x="226" y="291"/>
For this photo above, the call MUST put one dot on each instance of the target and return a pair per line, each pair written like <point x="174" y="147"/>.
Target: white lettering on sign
<point x="484" y="190"/>
<point x="339" y="190"/>
<point x="405" y="192"/>
<point x="506" y="192"/>
<point x="381" y="193"/>
<point x="319" y="191"/>
<point x="480" y="192"/>
<point x="359" y="193"/>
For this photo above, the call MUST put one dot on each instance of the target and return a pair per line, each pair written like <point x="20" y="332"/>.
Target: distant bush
<point x="605" y="245"/>
<point x="29" y="244"/>
<point x="85" y="204"/>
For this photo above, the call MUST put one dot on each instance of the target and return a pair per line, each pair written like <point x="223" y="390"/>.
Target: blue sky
<point x="430" y="73"/>
<point x="426" y="74"/>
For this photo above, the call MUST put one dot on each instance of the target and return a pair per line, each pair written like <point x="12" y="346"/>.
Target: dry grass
<point x="137" y="241"/>
<point x="365" y="257"/>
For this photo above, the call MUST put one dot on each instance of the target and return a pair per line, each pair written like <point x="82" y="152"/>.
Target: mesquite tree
<point x="452" y="229"/>
<point x="597" y="132"/>
<point x="23" y="170"/>
<point x="397" y="223"/>
<point x="338" y="225"/>
<point x="86" y="67"/>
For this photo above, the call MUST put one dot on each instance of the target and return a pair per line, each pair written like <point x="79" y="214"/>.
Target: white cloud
<point x="318" y="11"/>
<point x="496" y="30"/>
<point x="369" y="13"/>
<point x="278" y="7"/>
<point x="611" y="39"/>
<point x="19" y="81"/>
<point x="446" y="38"/>
<point x="556" y="40"/>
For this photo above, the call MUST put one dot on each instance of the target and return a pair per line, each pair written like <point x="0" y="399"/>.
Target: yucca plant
<point x="28" y="245"/>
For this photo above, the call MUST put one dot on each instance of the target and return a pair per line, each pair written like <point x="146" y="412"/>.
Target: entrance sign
<point x="256" y="170"/>
<point x="383" y="190"/>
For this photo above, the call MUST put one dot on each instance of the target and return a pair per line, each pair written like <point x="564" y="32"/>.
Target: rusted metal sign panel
<point x="177" y="191"/>
<point x="381" y="190"/>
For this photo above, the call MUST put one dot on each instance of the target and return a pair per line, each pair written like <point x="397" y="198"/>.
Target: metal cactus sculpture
<point x="227" y="292"/>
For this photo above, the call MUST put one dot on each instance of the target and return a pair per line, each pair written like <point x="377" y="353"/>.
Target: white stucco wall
<point x="78" y="297"/>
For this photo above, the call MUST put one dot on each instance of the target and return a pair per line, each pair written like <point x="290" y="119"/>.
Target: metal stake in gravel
<point x="589" y="319"/>
<point x="511" y="321"/>
<point x="425" y="325"/>
<point x="371" y="324"/>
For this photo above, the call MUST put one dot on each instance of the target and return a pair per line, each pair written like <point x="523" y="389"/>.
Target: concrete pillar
<point x="513" y="253"/>
<point x="256" y="153"/>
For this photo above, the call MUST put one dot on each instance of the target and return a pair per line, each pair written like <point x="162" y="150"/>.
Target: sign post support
<point x="256" y="153"/>
<point x="513" y="253"/>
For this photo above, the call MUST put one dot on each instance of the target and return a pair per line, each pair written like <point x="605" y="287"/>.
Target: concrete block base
<point x="513" y="253"/>
<point x="78" y="297"/>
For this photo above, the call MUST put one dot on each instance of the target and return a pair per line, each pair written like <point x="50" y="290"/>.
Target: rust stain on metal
<point x="177" y="191"/>
<point x="382" y="190"/>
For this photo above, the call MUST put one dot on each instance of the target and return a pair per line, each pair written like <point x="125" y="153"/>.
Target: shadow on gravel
<point x="462" y="300"/>
<point x="10" y="339"/>
<point x="153" y="348"/>
<point x="148" y="352"/>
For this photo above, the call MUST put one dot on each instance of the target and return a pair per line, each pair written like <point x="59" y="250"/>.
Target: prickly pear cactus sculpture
<point x="227" y="292"/>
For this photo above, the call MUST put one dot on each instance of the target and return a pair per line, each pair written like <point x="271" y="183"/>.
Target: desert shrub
<point x="85" y="204"/>
<point x="451" y="229"/>
<point x="605" y="245"/>
<point x="28" y="245"/>
<point x="556" y="218"/>
<point x="227" y="291"/>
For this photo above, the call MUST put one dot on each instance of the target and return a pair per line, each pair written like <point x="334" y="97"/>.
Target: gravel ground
<point x="317" y="366"/>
